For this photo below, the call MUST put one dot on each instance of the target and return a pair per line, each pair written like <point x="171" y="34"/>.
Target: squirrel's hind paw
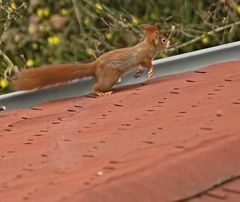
<point x="103" y="93"/>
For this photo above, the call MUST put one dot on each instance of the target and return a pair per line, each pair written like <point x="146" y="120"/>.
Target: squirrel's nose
<point x="168" y="44"/>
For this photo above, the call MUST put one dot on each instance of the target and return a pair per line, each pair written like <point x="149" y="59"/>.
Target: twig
<point x="78" y="15"/>
<point x="6" y="59"/>
<point x="218" y="29"/>
<point x="10" y="65"/>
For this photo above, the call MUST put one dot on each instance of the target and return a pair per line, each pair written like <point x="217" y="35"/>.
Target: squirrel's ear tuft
<point x="148" y="28"/>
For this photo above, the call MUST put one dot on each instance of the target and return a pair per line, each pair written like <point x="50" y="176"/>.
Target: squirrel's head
<point x="153" y="36"/>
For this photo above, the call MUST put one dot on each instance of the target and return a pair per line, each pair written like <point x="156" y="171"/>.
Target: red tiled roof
<point x="170" y="139"/>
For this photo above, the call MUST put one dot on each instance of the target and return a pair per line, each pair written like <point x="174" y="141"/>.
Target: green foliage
<point x="37" y="32"/>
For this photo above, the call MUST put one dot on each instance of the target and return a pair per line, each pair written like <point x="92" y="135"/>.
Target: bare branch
<point x="78" y="15"/>
<point x="216" y="30"/>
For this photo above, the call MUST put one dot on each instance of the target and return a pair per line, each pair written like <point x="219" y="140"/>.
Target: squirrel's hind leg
<point x="105" y="82"/>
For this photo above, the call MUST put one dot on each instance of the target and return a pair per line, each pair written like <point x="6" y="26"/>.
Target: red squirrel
<point x="107" y="69"/>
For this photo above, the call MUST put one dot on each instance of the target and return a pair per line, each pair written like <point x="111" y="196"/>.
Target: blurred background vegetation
<point x="37" y="32"/>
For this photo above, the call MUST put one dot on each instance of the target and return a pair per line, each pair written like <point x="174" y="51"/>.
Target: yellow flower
<point x="43" y="12"/>
<point x="13" y="6"/>
<point x="109" y="35"/>
<point x="90" y="51"/>
<point x="135" y="20"/>
<point x="35" y="46"/>
<point x="64" y="11"/>
<point x="46" y="12"/>
<point x="3" y="83"/>
<point x="99" y="7"/>
<point x="205" y="40"/>
<point x="30" y="63"/>
<point x="40" y="12"/>
<point x="86" y="21"/>
<point x="54" y="40"/>
<point x="238" y="8"/>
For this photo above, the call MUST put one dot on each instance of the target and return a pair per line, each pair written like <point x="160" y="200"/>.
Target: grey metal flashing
<point x="166" y="66"/>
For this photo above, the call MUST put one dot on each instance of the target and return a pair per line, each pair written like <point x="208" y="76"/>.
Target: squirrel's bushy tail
<point x="52" y="74"/>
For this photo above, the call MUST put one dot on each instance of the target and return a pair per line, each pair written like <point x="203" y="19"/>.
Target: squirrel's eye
<point x="164" y="40"/>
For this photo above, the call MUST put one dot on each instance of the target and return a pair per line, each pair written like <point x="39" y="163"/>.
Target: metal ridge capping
<point x="166" y="66"/>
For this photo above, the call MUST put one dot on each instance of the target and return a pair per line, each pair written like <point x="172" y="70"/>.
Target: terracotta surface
<point x="176" y="138"/>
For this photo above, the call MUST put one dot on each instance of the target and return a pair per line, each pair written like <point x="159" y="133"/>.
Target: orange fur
<point x="107" y="69"/>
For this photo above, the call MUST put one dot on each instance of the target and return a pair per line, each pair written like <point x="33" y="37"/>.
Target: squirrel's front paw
<point x="138" y="73"/>
<point x="150" y="73"/>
